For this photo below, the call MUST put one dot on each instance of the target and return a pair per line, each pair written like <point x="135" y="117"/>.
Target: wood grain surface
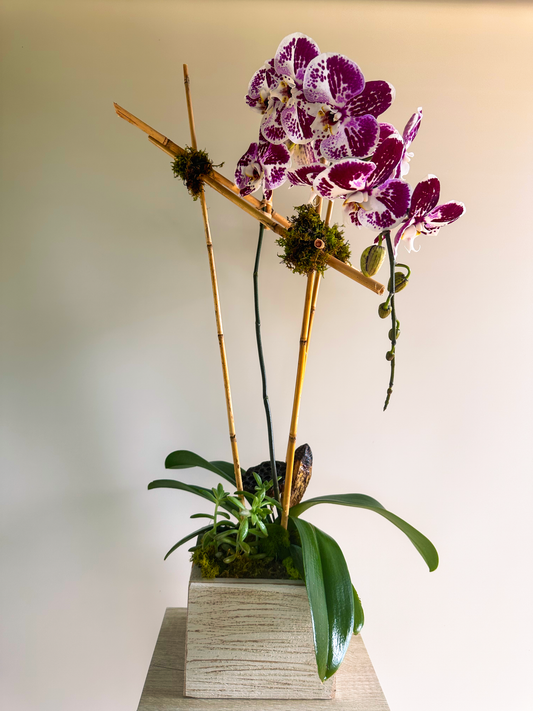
<point x="357" y="686"/>
<point x="251" y="639"/>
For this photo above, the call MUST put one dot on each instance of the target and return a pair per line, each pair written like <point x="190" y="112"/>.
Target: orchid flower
<point x="345" y="108"/>
<point x="372" y="198"/>
<point x="409" y="135"/>
<point x="264" y="165"/>
<point x="305" y="174"/>
<point x="276" y="90"/>
<point x="425" y="217"/>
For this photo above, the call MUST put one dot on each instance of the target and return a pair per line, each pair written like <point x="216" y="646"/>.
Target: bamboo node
<point x="319" y="243"/>
<point x="191" y="166"/>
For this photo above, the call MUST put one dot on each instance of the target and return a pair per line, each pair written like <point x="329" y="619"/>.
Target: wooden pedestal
<point x="357" y="686"/>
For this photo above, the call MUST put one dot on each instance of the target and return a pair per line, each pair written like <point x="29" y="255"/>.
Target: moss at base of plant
<point x="190" y="166"/>
<point x="243" y="566"/>
<point x="300" y="254"/>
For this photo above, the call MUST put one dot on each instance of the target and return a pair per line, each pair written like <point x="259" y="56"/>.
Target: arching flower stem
<point x="262" y="363"/>
<point x="391" y="355"/>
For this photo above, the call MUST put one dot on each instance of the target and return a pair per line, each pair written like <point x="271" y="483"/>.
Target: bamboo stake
<point x="313" y="285"/>
<point x="216" y="299"/>
<point x="318" y="279"/>
<point x="249" y="204"/>
<point x="302" y="360"/>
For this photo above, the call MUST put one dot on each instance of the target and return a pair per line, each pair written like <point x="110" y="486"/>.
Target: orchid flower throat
<point x="253" y="171"/>
<point x="355" y="201"/>
<point x="284" y="89"/>
<point x="328" y="120"/>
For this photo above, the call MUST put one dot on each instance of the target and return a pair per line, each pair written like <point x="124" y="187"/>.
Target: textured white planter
<point x="250" y="639"/>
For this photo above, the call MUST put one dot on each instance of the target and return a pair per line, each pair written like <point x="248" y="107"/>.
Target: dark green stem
<point x="394" y="323"/>
<point x="262" y="365"/>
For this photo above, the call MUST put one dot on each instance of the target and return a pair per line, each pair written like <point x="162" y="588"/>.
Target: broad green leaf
<point x="183" y="459"/>
<point x="192" y="489"/>
<point x="330" y="594"/>
<point x="359" y="615"/>
<point x="423" y="545"/>
<point x="187" y="538"/>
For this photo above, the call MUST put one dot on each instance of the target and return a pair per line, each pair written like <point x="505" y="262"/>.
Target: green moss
<point x="300" y="254"/>
<point x="190" y="166"/>
<point x="243" y="566"/>
<point x="207" y="562"/>
<point x="292" y="572"/>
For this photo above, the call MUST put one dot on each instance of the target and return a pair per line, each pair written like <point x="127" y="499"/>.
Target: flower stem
<point x="262" y="365"/>
<point x="394" y="322"/>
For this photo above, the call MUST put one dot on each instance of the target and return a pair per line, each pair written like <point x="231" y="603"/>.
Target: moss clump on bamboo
<point x="300" y="253"/>
<point x="190" y="166"/>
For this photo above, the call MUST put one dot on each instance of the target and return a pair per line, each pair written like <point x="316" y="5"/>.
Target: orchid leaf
<point x="359" y="615"/>
<point x="330" y="595"/>
<point x="423" y="545"/>
<point x="183" y="459"/>
<point x="192" y="489"/>
<point x="187" y="538"/>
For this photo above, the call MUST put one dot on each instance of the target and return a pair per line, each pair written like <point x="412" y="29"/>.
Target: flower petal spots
<point x="411" y="128"/>
<point x="375" y="99"/>
<point x="261" y="84"/>
<point x="387" y="205"/>
<point x="425" y="197"/>
<point x="297" y="123"/>
<point x="294" y="54"/>
<point x="305" y="175"/>
<point x="271" y="126"/>
<point x="332" y="79"/>
<point x="445" y="214"/>
<point x="342" y="178"/>
<point x="248" y="174"/>
<point x="356" y="139"/>
<point x="386" y="157"/>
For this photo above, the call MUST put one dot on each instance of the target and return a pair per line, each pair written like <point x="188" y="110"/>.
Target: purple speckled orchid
<point x="345" y="108"/>
<point x="425" y="216"/>
<point x="277" y="91"/>
<point x="372" y="197"/>
<point x="264" y="165"/>
<point x="409" y="135"/>
<point x="305" y="174"/>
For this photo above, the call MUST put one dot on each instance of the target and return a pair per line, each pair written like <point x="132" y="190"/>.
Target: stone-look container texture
<point x="251" y="639"/>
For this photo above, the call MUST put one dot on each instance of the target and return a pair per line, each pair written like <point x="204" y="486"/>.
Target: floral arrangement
<point x="319" y="127"/>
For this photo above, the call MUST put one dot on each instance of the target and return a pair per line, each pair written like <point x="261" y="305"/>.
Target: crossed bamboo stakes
<point x="279" y="225"/>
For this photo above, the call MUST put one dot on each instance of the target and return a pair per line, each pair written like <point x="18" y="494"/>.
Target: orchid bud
<point x="389" y="355"/>
<point x="400" y="282"/>
<point x="391" y="337"/>
<point x="372" y="259"/>
<point x="384" y="310"/>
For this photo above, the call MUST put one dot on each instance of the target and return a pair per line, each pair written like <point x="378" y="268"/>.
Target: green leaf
<point x="423" y="545"/>
<point x="359" y="615"/>
<point x="330" y="594"/>
<point x="183" y="459"/>
<point x="202" y="516"/>
<point x="238" y="503"/>
<point x="187" y="538"/>
<point x="243" y="530"/>
<point x="192" y="489"/>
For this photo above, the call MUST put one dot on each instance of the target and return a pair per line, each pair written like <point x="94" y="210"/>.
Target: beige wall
<point x="111" y="362"/>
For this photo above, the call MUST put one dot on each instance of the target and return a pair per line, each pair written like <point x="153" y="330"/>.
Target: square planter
<point x="250" y="639"/>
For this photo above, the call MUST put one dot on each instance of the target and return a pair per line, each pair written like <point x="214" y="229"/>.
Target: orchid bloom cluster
<point x="320" y="128"/>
